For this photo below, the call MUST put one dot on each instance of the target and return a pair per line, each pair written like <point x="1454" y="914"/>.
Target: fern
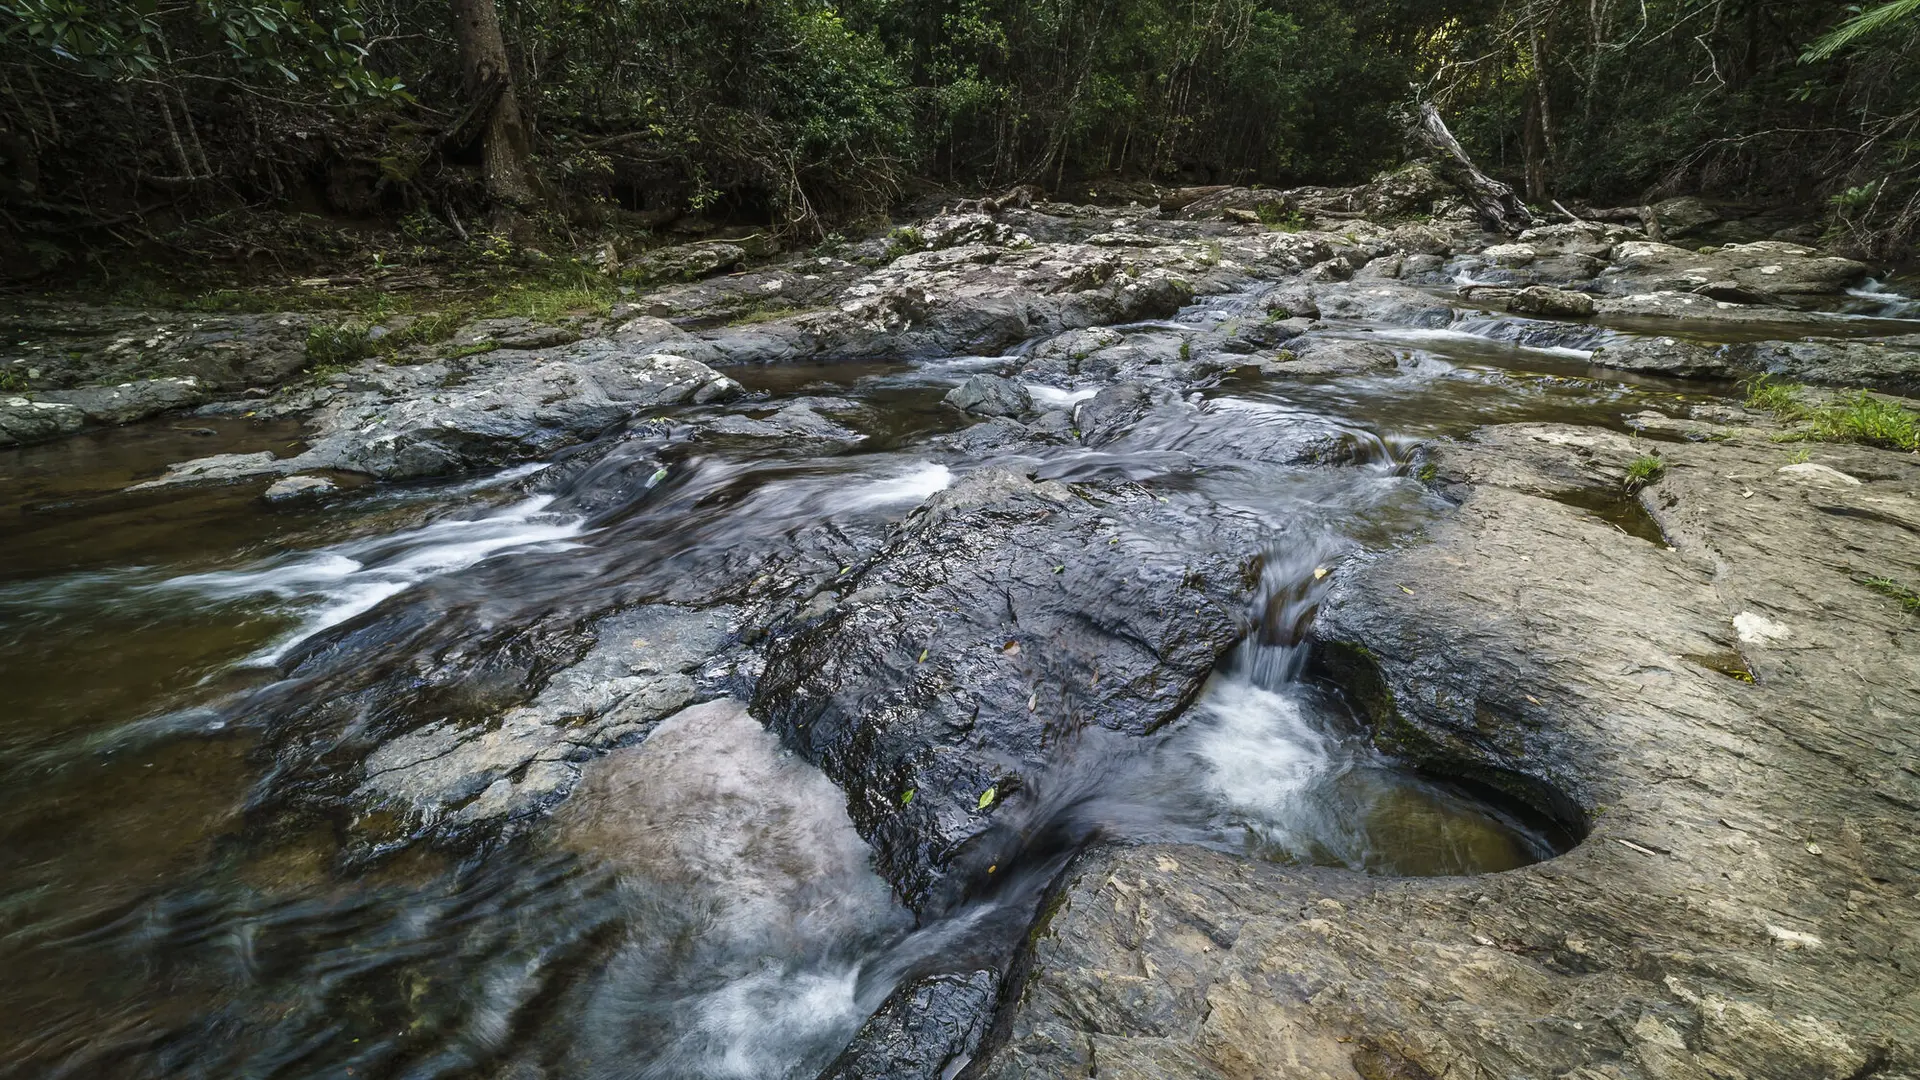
<point x="1867" y="22"/>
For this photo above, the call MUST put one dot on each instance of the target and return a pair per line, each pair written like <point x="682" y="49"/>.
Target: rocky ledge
<point x="1728" y="717"/>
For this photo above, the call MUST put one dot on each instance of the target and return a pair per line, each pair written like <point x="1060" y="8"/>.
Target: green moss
<point x="1780" y="399"/>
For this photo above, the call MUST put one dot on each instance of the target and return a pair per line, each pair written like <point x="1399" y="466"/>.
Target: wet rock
<point x="1737" y="904"/>
<point x="1686" y="215"/>
<point x="72" y="346"/>
<point x="219" y="469"/>
<point x="295" y="488"/>
<point x="454" y="775"/>
<point x="517" y="333"/>
<point x="1668" y="356"/>
<point x="43" y="415"/>
<point x="1332" y="356"/>
<point x="1551" y="303"/>
<point x="508" y="408"/>
<point x="991" y="395"/>
<point x="1688" y="305"/>
<point x="1109" y="413"/>
<point x="1396" y="305"/>
<point x="1887" y="363"/>
<point x="927" y="1030"/>
<point x="26" y="420"/>
<point x="1003" y="615"/>
<point x="1769" y="267"/>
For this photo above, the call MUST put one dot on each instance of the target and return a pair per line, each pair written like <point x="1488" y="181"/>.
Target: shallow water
<point x="703" y="906"/>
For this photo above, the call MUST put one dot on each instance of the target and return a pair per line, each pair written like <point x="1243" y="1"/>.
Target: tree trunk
<point x="1500" y="210"/>
<point x="505" y="143"/>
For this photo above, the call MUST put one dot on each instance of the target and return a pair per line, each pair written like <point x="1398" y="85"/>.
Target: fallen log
<point x="1499" y="208"/>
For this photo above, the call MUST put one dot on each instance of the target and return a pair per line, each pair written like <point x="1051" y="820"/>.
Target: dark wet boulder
<point x="935" y="681"/>
<point x="1109" y="413"/>
<point x="1887" y="363"/>
<point x="928" y="1030"/>
<point x="991" y="395"/>
<point x="1668" y="356"/>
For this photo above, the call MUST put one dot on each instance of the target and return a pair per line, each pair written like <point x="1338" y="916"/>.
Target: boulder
<point x="1768" y="268"/>
<point x="991" y="395"/>
<point x="935" y="711"/>
<point x="1669" y="356"/>
<point x="1551" y="303"/>
<point x="296" y="488"/>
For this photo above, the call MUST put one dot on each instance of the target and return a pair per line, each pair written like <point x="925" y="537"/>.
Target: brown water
<point x="160" y="917"/>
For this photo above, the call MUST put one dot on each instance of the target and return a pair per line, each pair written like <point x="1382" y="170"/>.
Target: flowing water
<point x="702" y="906"/>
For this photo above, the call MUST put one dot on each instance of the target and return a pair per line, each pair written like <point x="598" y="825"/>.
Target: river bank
<point x="1049" y="640"/>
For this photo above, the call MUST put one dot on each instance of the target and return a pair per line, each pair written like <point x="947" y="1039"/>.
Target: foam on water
<point x="907" y="486"/>
<point x="1053" y="397"/>
<point x="329" y="586"/>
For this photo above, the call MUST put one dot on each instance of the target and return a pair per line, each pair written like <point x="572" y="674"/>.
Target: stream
<point x="171" y="905"/>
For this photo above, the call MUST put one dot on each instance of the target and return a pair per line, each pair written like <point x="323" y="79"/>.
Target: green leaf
<point x="987" y="797"/>
<point x="906" y="798"/>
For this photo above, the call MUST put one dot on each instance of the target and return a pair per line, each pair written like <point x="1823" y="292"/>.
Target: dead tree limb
<point x="1499" y="208"/>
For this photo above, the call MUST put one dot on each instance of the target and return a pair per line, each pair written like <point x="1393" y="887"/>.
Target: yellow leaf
<point x="987" y="797"/>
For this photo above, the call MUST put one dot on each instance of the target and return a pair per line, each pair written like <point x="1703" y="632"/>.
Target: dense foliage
<point x="801" y="113"/>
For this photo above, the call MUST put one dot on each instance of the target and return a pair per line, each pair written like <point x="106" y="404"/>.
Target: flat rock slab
<point x="1745" y="902"/>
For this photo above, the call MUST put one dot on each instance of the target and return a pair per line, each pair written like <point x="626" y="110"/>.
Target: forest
<point x="135" y="122"/>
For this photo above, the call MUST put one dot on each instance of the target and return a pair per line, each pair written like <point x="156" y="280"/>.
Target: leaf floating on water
<point x="1319" y="572"/>
<point x="906" y="797"/>
<point x="1406" y="590"/>
<point x="659" y="475"/>
<point x="1060" y="569"/>
<point x="1011" y="648"/>
<point x="987" y="797"/>
<point x="1813" y="848"/>
<point x="923" y="657"/>
<point x="1033" y="702"/>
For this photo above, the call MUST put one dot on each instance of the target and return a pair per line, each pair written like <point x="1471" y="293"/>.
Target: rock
<point x="26" y="420"/>
<point x="511" y="407"/>
<point x="1668" y="356"/>
<point x="1738" y="903"/>
<point x="219" y="469"/>
<point x="908" y="683"/>
<point x="1769" y="267"/>
<point x="299" y="487"/>
<point x="73" y="346"/>
<point x="1888" y="363"/>
<point x="1685" y="216"/>
<point x="1551" y="303"/>
<point x="687" y="262"/>
<point x="451" y="776"/>
<point x="991" y="395"/>
<point x="1686" y="305"/>
<point x="1333" y="356"/>
<point x="1510" y="255"/>
<point x="1593" y="240"/>
<point x="927" y="1030"/>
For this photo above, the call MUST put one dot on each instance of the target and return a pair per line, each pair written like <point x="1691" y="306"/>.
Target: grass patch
<point x="1276" y="216"/>
<point x="1864" y="418"/>
<point x="1860" y="417"/>
<point x="338" y="345"/>
<point x="1892" y="589"/>
<point x="552" y="300"/>
<point x="1644" y="470"/>
<point x="1780" y="399"/>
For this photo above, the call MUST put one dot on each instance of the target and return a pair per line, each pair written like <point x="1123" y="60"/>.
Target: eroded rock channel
<point x="1095" y="643"/>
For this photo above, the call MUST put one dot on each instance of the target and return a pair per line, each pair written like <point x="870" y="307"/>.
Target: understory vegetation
<point x="1859" y="416"/>
<point x="226" y="126"/>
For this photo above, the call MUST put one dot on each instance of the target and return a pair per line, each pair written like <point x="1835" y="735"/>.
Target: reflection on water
<point x="702" y="905"/>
